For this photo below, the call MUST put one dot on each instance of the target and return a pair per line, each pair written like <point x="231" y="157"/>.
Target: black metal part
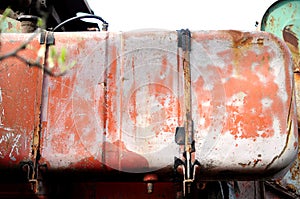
<point x="28" y="18"/>
<point x="47" y="37"/>
<point x="188" y="178"/>
<point x="104" y="26"/>
<point x="180" y="138"/>
<point x="28" y="23"/>
<point x="34" y="174"/>
<point x="184" y="39"/>
<point x="28" y="168"/>
<point x="180" y="135"/>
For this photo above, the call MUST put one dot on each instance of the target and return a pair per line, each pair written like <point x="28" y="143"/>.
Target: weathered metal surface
<point x="20" y="100"/>
<point x="283" y="20"/>
<point x="119" y="106"/>
<point x="10" y="25"/>
<point x="245" y="105"/>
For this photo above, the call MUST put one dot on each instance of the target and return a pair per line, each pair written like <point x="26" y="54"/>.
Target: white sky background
<point x="127" y="15"/>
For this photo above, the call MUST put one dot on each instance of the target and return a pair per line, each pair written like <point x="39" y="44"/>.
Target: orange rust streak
<point x="112" y="95"/>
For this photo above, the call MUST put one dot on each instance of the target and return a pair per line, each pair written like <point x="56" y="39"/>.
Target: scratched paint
<point x="20" y="94"/>
<point x="120" y="104"/>
<point x="238" y="112"/>
<point x="12" y="141"/>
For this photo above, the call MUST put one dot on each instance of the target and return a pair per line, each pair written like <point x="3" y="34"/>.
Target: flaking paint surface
<point x="21" y="88"/>
<point x="123" y="100"/>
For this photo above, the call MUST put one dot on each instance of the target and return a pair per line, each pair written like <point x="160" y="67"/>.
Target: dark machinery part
<point x="53" y="13"/>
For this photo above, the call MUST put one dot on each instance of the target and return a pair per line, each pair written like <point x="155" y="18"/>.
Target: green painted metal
<point x="283" y="20"/>
<point x="9" y="25"/>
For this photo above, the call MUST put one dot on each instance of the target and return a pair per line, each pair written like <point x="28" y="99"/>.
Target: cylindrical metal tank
<point x="118" y="105"/>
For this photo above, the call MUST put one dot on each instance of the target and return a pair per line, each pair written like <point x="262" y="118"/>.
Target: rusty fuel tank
<point x="127" y="100"/>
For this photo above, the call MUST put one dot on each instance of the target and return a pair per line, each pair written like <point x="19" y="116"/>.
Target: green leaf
<point x="5" y="14"/>
<point x="52" y="52"/>
<point x="40" y="23"/>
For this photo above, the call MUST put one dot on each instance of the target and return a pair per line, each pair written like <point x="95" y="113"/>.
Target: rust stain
<point x="9" y="25"/>
<point x="134" y="111"/>
<point x="260" y="41"/>
<point x="245" y="164"/>
<point x="111" y="95"/>
<point x="292" y="42"/>
<point x="289" y="36"/>
<point x="240" y="39"/>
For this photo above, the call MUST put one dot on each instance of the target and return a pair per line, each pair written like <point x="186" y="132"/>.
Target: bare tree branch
<point x="31" y="63"/>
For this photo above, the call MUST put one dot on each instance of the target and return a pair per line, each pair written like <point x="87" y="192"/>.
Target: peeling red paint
<point x="113" y="84"/>
<point x="120" y="104"/>
<point x="131" y="110"/>
<point x="20" y="88"/>
<point x="252" y="115"/>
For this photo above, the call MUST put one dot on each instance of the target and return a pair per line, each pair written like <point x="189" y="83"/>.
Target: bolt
<point x="150" y="187"/>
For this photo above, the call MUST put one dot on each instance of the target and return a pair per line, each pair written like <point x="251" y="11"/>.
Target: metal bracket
<point x="184" y="39"/>
<point x="47" y="37"/>
<point x="188" y="177"/>
<point x="33" y="174"/>
<point x="185" y="135"/>
<point x="180" y="137"/>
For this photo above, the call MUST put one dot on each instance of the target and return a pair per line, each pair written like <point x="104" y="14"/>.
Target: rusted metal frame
<point x="33" y="169"/>
<point x="35" y="148"/>
<point x="189" y="170"/>
<point x="280" y="190"/>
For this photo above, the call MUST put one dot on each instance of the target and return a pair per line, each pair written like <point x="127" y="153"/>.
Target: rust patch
<point x="240" y="39"/>
<point x="9" y="25"/>
<point x="245" y="164"/>
<point x="111" y="95"/>
<point x="289" y="36"/>
<point x="260" y="41"/>
<point x="292" y="41"/>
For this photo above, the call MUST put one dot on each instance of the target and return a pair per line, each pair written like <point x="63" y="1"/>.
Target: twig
<point x="30" y="63"/>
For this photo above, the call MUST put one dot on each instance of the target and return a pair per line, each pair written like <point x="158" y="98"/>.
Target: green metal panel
<point x="283" y="20"/>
